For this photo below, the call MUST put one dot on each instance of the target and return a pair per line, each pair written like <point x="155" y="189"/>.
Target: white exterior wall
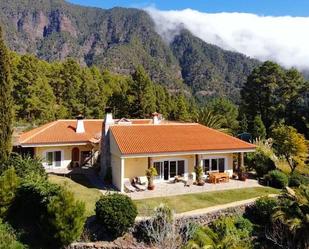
<point x="66" y="154"/>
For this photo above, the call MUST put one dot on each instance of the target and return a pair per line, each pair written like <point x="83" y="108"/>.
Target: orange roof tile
<point x="63" y="131"/>
<point x="142" y="139"/>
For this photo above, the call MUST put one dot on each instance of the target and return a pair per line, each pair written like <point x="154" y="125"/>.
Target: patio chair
<point x="142" y="180"/>
<point x="137" y="185"/>
<point x="189" y="182"/>
<point x="140" y="187"/>
<point x="128" y="186"/>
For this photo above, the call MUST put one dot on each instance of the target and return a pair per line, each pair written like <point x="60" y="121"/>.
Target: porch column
<point x="200" y="161"/>
<point x="122" y="175"/>
<point x="242" y="161"/>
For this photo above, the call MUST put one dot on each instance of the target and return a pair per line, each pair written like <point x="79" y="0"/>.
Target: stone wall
<point x="201" y="219"/>
<point x="205" y="219"/>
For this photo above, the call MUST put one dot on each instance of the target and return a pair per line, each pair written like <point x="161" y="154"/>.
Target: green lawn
<point x="183" y="203"/>
<point x="83" y="191"/>
<point x="81" y="188"/>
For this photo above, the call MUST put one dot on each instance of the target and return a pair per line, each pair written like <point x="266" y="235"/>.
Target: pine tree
<point x="243" y="123"/>
<point x="6" y="102"/>
<point x="182" y="109"/>
<point x="259" y="130"/>
<point x="143" y="94"/>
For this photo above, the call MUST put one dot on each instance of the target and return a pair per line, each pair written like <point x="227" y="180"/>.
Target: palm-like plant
<point x="293" y="212"/>
<point x="204" y="238"/>
<point x="208" y="118"/>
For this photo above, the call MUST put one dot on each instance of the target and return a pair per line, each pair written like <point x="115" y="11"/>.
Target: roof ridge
<point x="40" y="131"/>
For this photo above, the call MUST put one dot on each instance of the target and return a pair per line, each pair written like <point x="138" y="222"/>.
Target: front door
<point x="166" y="173"/>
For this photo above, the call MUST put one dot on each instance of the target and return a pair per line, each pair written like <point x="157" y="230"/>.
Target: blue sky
<point x="260" y="7"/>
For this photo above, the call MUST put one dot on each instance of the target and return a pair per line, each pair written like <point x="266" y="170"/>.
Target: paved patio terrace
<point x="171" y="189"/>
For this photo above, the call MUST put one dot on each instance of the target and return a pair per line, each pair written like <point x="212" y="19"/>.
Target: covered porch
<point x="170" y="167"/>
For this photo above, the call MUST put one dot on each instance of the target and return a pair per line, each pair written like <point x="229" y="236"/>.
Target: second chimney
<point x="155" y="118"/>
<point x="80" y="128"/>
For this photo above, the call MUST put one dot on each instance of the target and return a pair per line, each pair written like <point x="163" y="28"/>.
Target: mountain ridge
<point x="119" y="39"/>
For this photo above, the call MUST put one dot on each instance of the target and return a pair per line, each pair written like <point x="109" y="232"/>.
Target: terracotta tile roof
<point x="63" y="131"/>
<point x="142" y="139"/>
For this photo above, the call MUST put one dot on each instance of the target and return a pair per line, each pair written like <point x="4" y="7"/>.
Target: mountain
<point x="119" y="39"/>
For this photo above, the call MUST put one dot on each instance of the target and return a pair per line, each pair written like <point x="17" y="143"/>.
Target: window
<point x="169" y="169"/>
<point x="181" y="168"/>
<point x="172" y="168"/>
<point x="158" y="167"/>
<point x="53" y="158"/>
<point x="49" y="158"/>
<point x="221" y="164"/>
<point x="214" y="164"/>
<point x="206" y="165"/>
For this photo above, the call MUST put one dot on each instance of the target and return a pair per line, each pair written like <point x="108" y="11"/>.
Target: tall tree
<point x="291" y="145"/>
<point x="258" y="130"/>
<point x="33" y="95"/>
<point x="6" y="101"/>
<point x="143" y="94"/>
<point x="258" y="95"/>
<point x="181" y="112"/>
<point x="278" y="95"/>
<point x="243" y="123"/>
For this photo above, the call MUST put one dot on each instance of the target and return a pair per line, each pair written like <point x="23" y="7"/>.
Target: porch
<point x="163" y="189"/>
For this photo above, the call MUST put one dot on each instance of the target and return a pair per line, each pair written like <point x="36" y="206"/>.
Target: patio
<point x="164" y="189"/>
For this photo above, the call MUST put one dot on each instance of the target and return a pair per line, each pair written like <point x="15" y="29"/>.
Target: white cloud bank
<point x="283" y="39"/>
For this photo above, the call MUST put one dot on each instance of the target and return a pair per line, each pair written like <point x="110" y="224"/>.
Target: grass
<point x="81" y="188"/>
<point x="183" y="203"/>
<point x="84" y="191"/>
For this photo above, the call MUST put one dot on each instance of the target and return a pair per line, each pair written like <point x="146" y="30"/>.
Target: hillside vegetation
<point x="118" y="40"/>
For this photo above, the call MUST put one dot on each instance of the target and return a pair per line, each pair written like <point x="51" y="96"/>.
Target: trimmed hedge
<point x="116" y="213"/>
<point x="278" y="179"/>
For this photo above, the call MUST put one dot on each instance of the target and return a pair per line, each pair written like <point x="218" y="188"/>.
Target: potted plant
<point x="151" y="173"/>
<point x="199" y="175"/>
<point x="242" y="176"/>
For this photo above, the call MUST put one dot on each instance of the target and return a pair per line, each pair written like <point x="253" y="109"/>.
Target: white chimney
<point x="155" y="118"/>
<point x="80" y="128"/>
<point x="108" y="121"/>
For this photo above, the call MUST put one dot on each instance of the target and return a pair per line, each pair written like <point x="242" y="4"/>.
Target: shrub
<point x="116" y="213"/>
<point x="47" y="213"/>
<point x="263" y="159"/>
<point x="278" y="179"/>
<point x="199" y="173"/>
<point x="296" y="180"/>
<point x="8" y="185"/>
<point x="66" y="217"/>
<point x="26" y="165"/>
<point x="8" y="238"/>
<point x="263" y="209"/>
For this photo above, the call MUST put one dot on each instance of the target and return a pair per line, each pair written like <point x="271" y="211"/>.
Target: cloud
<point x="282" y="39"/>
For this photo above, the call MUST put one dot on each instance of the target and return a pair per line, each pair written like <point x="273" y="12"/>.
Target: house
<point x="173" y="148"/>
<point x="131" y="146"/>
<point x="63" y="143"/>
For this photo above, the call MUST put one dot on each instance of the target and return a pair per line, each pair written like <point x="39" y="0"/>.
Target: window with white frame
<point x="214" y="165"/>
<point x="168" y="169"/>
<point x="53" y="158"/>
